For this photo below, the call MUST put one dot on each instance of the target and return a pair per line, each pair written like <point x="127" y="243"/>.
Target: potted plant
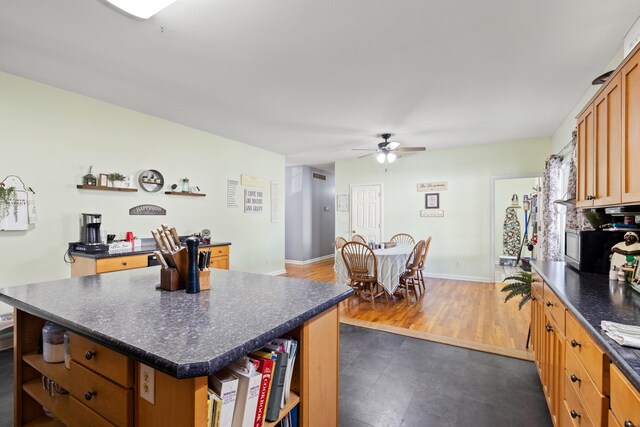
<point x="117" y="179"/>
<point x="8" y="197"/>
<point x="518" y="285"/>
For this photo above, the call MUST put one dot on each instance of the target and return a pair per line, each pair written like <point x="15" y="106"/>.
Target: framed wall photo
<point x="432" y="201"/>
<point x="103" y="180"/>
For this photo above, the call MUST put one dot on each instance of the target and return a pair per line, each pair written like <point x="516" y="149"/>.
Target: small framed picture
<point x="636" y="273"/>
<point x="432" y="201"/>
<point x="104" y="180"/>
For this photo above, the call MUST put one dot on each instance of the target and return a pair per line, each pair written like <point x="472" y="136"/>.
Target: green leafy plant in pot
<point x="518" y="285"/>
<point x="117" y="179"/>
<point x="8" y="196"/>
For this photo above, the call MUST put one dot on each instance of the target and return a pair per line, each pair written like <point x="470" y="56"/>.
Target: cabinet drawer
<point x="85" y="417"/>
<point x="537" y="284"/>
<point x="573" y="413"/>
<point x="625" y="399"/>
<point x="612" y="421"/>
<point x="218" y="251"/>
<point x="108" y="399"/>
<point x="115" y="366"/>
<point x="593" y="401"/>
<point x="554" y="307"/>
<point x="592" y="358"/>
<point x="221" y="262"/>
<point x="106" y="265"/>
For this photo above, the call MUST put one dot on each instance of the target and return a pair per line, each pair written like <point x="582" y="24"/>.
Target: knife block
<point x="169" y="279"/>
<point x="205" y="279"/>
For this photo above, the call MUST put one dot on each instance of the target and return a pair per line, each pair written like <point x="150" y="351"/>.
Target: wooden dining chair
<point x="340" y="242"/>
<point x="357" y="257"/>
<point x="409" y="279"/>
<point x="423" y="261"/>
<point x="401" y="238"/>
<point x="358" y="238"/>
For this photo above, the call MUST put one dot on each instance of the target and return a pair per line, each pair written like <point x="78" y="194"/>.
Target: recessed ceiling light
<point x="144" y="9"/>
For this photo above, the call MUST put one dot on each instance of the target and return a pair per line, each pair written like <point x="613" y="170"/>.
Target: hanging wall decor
<point x="253" y="201"/>
<point x="17" y="205"/>
<point x="147" y="210"/>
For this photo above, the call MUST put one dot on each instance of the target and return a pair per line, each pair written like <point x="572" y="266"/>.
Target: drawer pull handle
<point x="548" y="327"/>
<point x="629" y="423"/>
<point x="549" y="304"/>
<point x="124" y="262"/>
<point x="89" y="395"/>
<point x="574" y="414"/>
<point x="533" y="298"/>
<point x="89" y="354"/>
<point x="575" y="344"/>
<point x="575" y="379"/>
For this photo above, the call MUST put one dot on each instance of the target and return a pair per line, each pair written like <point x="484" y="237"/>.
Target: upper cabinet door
<point x="630" y="76"/>
<point x="584" y="193"/>
<point x="607" y="134"/>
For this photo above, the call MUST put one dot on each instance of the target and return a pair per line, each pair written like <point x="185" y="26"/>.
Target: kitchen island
<point x="122" y="324"/>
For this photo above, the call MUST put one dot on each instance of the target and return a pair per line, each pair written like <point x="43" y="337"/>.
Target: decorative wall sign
<point x="342" y="203"/>
<point x="253" y="201"/>
<point x="147" y="210"/>
<point x="432" y="201"/>
<point x="275" y="206"/>
<point x="251" y="181"/>
<point x="431" y="213"/>
<point x="232" y="193"/>
<point x="432" y="186"/>
<point x="17" y="205"/>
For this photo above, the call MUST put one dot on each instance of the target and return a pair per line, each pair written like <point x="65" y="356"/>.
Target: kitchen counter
<point x="183" y="335"/>
<point x="592" y="298"/>
<point x="143" y="250"/>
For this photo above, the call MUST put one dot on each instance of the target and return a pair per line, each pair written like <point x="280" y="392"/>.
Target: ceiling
<point x="312" y="79"/>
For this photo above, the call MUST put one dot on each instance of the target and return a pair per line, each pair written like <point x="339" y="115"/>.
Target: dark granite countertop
<point x="592" y="298"/>
<point x="143" y="250"/>
<point x="183" y="335"/>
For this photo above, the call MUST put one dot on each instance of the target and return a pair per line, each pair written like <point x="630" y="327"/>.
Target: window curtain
<point x="551" y="190"/>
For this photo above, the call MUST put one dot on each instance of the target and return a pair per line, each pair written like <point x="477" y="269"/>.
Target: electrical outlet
<point x="147" y="383"/>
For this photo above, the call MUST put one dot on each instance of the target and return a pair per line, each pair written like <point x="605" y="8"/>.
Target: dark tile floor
<point x="391" y="380"/>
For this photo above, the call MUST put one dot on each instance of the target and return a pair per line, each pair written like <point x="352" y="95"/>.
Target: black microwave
<point x="589" y="251"/>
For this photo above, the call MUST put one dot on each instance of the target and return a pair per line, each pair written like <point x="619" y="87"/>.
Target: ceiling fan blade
<point x="393" y="145"/>
<point x="408" y="149"/>
<point x="364" y="149"/>
<point x="366" y="155"/>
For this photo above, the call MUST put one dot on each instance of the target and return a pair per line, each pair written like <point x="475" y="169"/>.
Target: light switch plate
<point x="147" y="383"/>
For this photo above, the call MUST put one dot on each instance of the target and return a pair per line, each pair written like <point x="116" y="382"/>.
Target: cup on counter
<point x="103" y="237"/>
<point x="129" y="237"/>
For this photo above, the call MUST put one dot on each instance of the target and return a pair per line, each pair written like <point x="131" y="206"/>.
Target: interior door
<point x="366" y="211"/>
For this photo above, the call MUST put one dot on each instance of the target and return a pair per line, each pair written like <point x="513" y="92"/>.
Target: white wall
<point x="461" y="245"/>
<point x="49" y="137"/>
<point x="504" y="190"/>
<point x="562" y="136"/>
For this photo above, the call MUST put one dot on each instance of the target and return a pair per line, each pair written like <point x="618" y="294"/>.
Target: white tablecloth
<point x="391" y="264"/>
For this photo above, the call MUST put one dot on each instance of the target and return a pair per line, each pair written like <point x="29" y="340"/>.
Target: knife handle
<point x="176" y="237"/>
<point x="160" y="259"/>
<point x="158" y="240"/>
<point x="166" y="242"/>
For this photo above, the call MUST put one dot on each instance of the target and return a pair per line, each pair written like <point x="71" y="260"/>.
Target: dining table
<point x="391" y="265"/>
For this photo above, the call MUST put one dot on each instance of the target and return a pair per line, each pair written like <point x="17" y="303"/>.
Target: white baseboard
<point x="462" y="278"/>
<point x="309" y="261"/>
<point x="276" y="273"/>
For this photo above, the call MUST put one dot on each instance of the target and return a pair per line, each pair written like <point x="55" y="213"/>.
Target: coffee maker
<point x="90" y="228"/>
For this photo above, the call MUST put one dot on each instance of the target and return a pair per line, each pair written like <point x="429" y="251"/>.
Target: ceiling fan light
<point x="391" y="157"/>
<point x="380" y="157"/>
<point x="143" y="9"/>
<point x="392" y="145"/>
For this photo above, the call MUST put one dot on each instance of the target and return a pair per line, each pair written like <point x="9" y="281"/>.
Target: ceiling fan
<point x="387" y="151"/>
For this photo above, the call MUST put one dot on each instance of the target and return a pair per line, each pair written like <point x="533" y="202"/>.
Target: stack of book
<point x="255" y="388"/>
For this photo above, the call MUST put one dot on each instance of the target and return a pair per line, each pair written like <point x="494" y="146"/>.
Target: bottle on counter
<point x="53" y="343"/>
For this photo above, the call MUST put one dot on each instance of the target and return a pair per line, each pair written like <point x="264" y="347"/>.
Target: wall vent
<point x="319" y="176"/>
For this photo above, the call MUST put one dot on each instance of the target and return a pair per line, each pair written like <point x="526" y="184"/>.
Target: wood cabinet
<point x="630" y="76"/>
<point x="103" y="384"/>
<point x="219" y="257"/>
<point x="584" y="193"/>
<point x="625" y="400"/>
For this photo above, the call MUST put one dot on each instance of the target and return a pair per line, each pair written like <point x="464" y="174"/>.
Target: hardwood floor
<point x="466" y="314"/>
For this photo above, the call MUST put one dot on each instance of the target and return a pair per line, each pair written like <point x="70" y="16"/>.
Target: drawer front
<point x="107" y="265"/>
<point x="592" y="400"/>
<point x="218" y="251"/>
<point x="554" y="307"/>
<point x="592" y="358"/>
<point x="108" y="399"/>
<point x="625" y="399"/>
<point x="221" y="262"/>
<point x="612" y="421"/>
<point x="574" y="413"/>
<point x="115" y="366"/>
<point x="82" y="416"/>
<point x="537" y="284"/>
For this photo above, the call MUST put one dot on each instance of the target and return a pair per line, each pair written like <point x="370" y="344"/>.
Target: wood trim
<point x="471" y="345"/>
<point x="102" y="188"/>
